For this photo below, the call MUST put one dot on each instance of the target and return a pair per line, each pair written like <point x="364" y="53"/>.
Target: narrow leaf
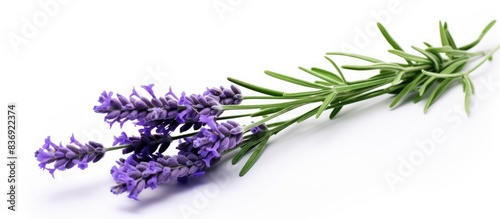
<point x="355" y="86"/>
<point x="307" y="94"/>
<point x="436" y="54"/>
<point x="328" y="74"/>
<point x="266" y="111"/>
<point x="293" y="80"/>
<point x="391" y="40"/>
<point x="256" y="88"/>
<point x="430" y="56"/>
<point x="406" y="90"/>
<point x="305" y="116"/>
<point x="335" y="111"/>
<point x="320" y="76"/>
<point x="326" y="102"/>
<point x="437" y="93"/>
<point x="449" y="37"/>
<point x="442" y="34"/>
<point x="338" y="69"/>
<point x="378" y="66"/>
<point x="362" y="57"/>
<point x="255" y="156"/>
<point x="440" y="75"/>
<point x="410" y="57"/>
<point x="247" y="146"/>
<point x="475" y="42"/>
<point x="324" y="83"/>
<point x="397" y="79"/>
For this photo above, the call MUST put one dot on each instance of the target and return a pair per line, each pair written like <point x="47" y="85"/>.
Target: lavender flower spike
<point x="154" y="112"/>
<point x="67" y="157"/>
<point x="206" y="105"/>
<point x="209" y="144"/>
<point x="225" y="96"/>
<point x="135" y="174"/>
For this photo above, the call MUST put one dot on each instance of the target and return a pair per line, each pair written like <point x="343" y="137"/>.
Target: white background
<point x="318" y="169"/>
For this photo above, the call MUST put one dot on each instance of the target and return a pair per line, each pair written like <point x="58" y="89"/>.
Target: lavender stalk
<point x="429" y="72"/>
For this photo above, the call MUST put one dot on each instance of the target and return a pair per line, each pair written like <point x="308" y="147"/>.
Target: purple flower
<point x="137" y="173"/>
<point x="151" y="112"/>
<point x="258" y="128"/>
<point x="197" y="105"/>
<point x="166" y="113"/>
<point x="206" y="105"/>
<point x="74" y="154"/>
<point x="226" y="96"/>
<point x="209" y="144"/>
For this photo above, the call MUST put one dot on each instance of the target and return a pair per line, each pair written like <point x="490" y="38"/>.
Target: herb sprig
<point x="427" y="74"/>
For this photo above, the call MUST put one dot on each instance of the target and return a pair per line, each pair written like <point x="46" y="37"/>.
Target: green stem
<point x="116" y="148"/>
<point x="272" y="105"/>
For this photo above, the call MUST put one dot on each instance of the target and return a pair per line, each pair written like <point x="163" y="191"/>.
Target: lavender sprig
<point x="155" y="112"/>
<point x="429" y="73"/>
<point x="135" y="174"/>
<point x="66" y="157"/>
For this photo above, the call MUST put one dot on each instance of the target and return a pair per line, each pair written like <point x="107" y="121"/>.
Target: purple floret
<point x="151" y="112"/>
<point x="210" y="143"/>
<point x="225" y="96"/>
<point x="74" y="154"/>
<point x="138" y="173"/>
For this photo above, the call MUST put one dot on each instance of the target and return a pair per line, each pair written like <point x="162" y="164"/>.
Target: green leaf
<point x="362" y="57"/>
<point x="426" y="84"/>
<point x="391" y="40"/>
<point x="437" y="92"/>
<point x="442" y="34"/>
<point x="255" y="156"/>
<point x="326" y="102"/>
<point x="355" y="86"/>
<point x="442" y="49"/>
<point x="449" y="37"/>
<point x="430" y="56"/>
<point x="378" y="66"/>
<point x="324" y="83"/>
<point x="475" y="42"/>
<point x="417" y="98"/>
<point x="306" y="115"/>
<point x="265" y="111"/>
<point x="334" y="112"/>
<point x="307" y="94"/>
<point x="320" y="76"/>
<point x="249" y="144"/>
<point x="338" y="69"/>
<point x="473" y="90"/>
<point x="289" y="107"/>
<point x="398" y="77"/>
<point x="456" y="65"/>
<point x="469" y="90"/>
<point x="406" y="90"/>
<point x="449" y="51"/>
<point x="440" y="75"/>
<point x="294" y="80"/>
<point x="410" y="57"/>
<point x="328" y="74"/>
<point x="436" y="54"/>
<point x="256" y="88"/>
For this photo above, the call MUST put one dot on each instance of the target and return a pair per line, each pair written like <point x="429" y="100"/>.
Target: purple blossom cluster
<point x="155" y="112"/>
<point x="144" y="169"/>
<point x="66" y="157"/>
<point x="210" y="143"/>
<point x="157" y="116"/>
<point x="135" y="174"/>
